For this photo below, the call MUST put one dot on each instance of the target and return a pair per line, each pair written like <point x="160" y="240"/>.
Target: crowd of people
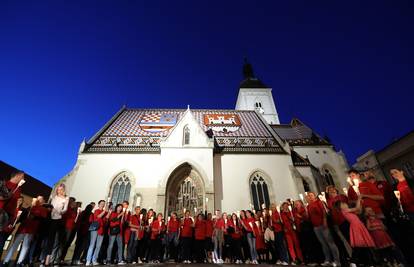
<point x="369" y="223"/>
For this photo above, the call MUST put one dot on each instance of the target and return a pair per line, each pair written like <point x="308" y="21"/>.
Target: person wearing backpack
<point x="116" y="220"/>
<point x="96" y="230"/>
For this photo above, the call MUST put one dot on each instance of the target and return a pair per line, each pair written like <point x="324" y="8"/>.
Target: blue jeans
<point x="27" y="239"/>
<point x="330" y="250"/>
<point x="112" y="239"/>
<point x="251" y="240"/>
<point x="94" y="247"/>
<point x="280" y="246"/>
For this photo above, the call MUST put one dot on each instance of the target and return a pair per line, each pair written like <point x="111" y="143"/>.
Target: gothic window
<point x="408" y="169"/>
<point x="306" y="186"/>
<point x="121" y="188"/>
<point x="186" y="137"/>
<point x="259" y="191"/>
<point x="188" y="196"/>
<point x="328" y="177"/>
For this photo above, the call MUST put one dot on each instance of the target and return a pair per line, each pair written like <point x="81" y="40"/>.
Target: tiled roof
<point x="298" y="160"/>
<point x="142" y="130"/>
<point x="297" y="133"/>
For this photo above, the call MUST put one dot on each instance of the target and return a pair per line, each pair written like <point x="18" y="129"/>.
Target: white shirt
<point x="60" y="206"/>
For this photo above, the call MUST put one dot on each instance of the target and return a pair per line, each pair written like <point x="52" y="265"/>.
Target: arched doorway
<point x="185" y="191"/>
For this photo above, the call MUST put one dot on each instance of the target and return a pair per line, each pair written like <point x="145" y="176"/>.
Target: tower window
<point x="186" y="137"/>
<point x="258" y="104"/>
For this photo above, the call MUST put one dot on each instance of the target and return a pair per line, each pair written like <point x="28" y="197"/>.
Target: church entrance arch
<point x="184" y="191"/>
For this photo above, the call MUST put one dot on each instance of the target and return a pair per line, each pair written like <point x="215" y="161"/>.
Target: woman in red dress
<point x="260" y="242"/>
<point x="360" y="239"/>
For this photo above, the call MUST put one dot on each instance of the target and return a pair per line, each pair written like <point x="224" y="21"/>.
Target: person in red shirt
<point x="406" y="192"/>
<point x="27" y="230"/>
<point x="199" y="238"/>
<point x="8" y="205"/>
<point x="218" y="237"/>
<point x="209" y="234"/>
<point x="82" y="232"/>
<point x="187" y="225"/>
<point x="371" y="197"/>
<point x="157" y="229"/>
<point x="134" y="226"/>
<point x="116" y="222"/>
<point x="248" y="224"/>
<point x="173" y="233"/>
<point x="290" y="233"/>
<point x="69" y="219"/>
<point x="317" y="216"/>
<point x="276" y="225"/>
<point x="338" y="218"/>
<point x="354" y="175"/>
<point x="236" y="231"/>
<point x="97" y="221"/>
<point x="126" y="230"/>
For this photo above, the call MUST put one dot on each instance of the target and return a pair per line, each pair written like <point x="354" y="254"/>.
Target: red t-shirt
<point x="368" y="188"/>
<point x="156" y="228"/>
<point x="10" y="205"/>
<point x="385" y="188"/>
<point x="352" y="195"/>
<point x="114" y="221"/>
<point x="173" y="225"/>
<point x="237" y="229"/>
<point x="219" y="223"/>
<point x="337" y="216"/>
<point x="300" y="216"/>
<point x="69" y="217"/>
<point x="209" y="228"/>
<point x="287" y="221"/>
<point x="200" y="230"/>
<point x="187" y="228"/>
<point x="406" y="196"/>
<point x="316" y="213"/>
<point x="250" y="224"/>
<point x="101" y="221"/>
<point x="32" y="222"/>
<point x="277" y="226"/>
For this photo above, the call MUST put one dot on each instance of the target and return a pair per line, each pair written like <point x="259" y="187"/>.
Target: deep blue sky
<point x="345" y="68"/>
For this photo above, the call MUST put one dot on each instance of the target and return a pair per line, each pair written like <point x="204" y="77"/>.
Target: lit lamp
<point x="398" y="196"/>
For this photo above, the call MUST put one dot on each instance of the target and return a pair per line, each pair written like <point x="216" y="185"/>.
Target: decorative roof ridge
<point x="279" y="140"/>
<point x="106" y="125"/>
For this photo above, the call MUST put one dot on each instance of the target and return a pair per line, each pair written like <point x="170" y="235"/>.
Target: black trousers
<point x="186" y="248"/>
<point x="245" y="248"/>
<point x="81" y="245"/>
<point x="142" y="248"/>
<point x="236" y="249"/>
<point x="156" y="249"/>
<point x="199" y="250"/>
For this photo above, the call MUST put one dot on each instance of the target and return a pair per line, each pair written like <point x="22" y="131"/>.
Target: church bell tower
<point x="255" y="95"/>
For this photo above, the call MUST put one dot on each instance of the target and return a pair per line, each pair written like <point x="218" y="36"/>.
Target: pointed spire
<point x="247" y="69"/>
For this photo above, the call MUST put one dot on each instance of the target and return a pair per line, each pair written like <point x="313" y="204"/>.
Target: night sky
<point x="345" y="68"/>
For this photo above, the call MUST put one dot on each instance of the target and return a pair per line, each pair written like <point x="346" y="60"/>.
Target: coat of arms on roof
<point x="222" y="122"/>
<point x="157" y="122"/>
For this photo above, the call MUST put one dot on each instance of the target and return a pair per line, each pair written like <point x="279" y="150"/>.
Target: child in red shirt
<point x="157" y="229"/>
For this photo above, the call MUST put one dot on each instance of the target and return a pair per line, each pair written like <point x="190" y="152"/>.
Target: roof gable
<point x="142" y="130"/>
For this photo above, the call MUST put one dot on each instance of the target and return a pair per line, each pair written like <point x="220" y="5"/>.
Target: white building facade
<point x="175" y="159"/>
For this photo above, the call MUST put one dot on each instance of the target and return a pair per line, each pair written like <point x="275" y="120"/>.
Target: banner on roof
<point x="157" y="122"/>
<point x="222" y="122"/>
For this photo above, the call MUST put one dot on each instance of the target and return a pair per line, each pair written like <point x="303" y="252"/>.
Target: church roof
<point x="298" y="134"/>
<point x="298" y="160"/>
<point x="142" y="130"/>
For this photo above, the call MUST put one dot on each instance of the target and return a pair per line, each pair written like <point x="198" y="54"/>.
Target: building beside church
<point x="196" y="159"/>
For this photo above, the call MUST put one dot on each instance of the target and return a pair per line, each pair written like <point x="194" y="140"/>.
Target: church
<point x="198" y="159"/>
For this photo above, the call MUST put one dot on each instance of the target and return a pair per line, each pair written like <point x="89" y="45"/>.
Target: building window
<point x="306" y="186"/>
<point x="408" y="169"/>
<point x="186" y="137"/>
<point x="260" y="192"/>
<point x="324" y="152"/>
<point x="258" y="104"/>
<point x="317" y="151"/>
<point x="121" y="188"/>
<point x="328" y="177"/>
